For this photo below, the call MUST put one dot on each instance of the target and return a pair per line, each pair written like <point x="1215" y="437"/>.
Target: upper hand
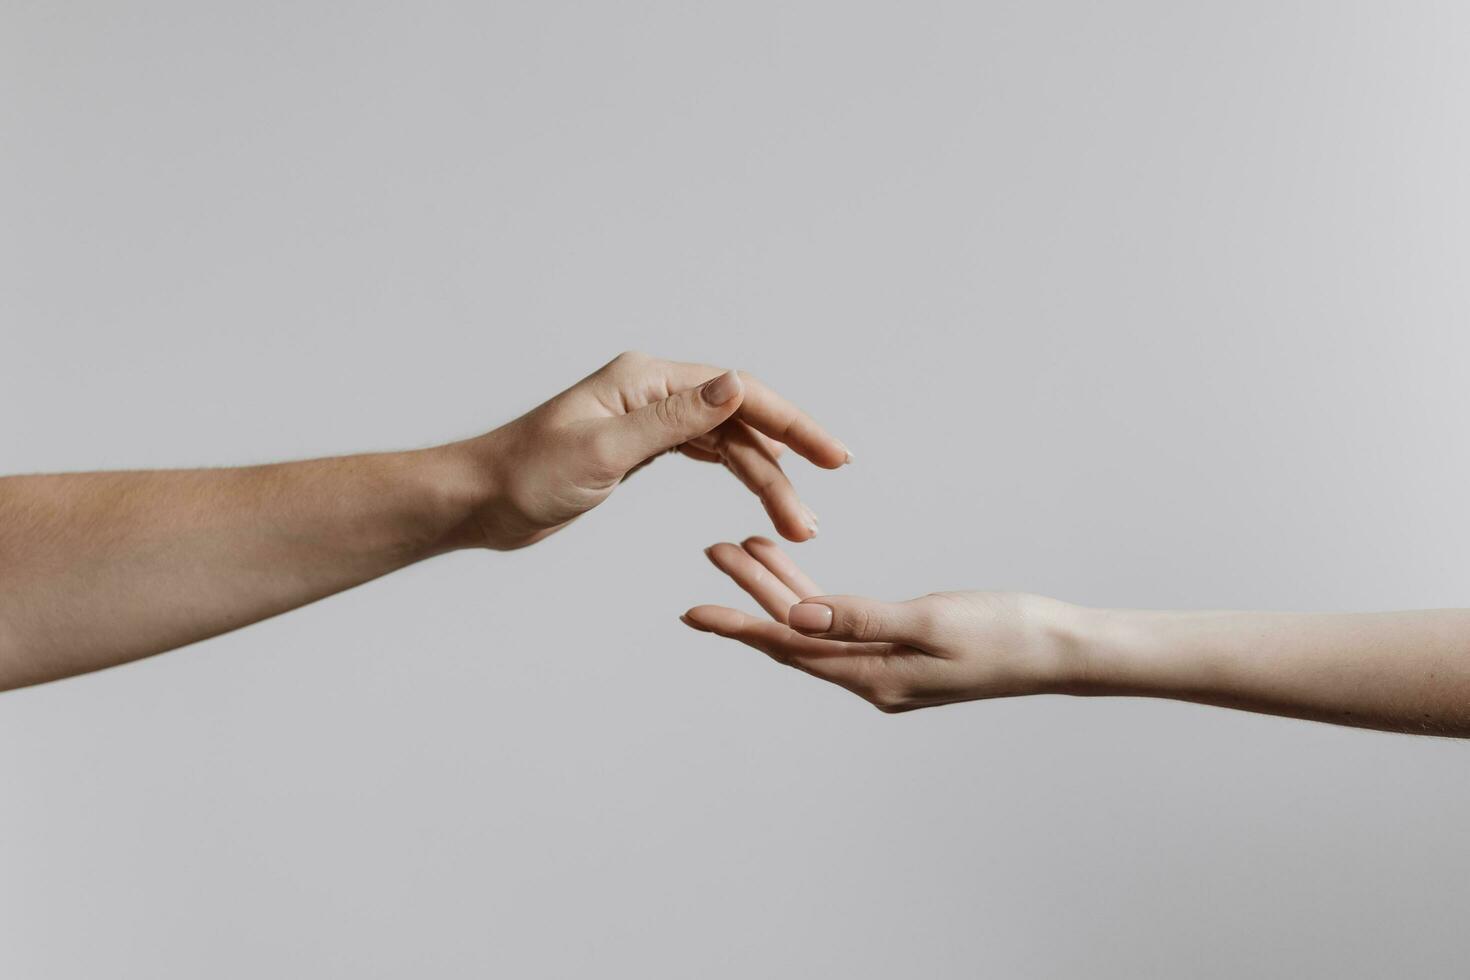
<point x="566" y="456"/>
<point x="936" y="649"/>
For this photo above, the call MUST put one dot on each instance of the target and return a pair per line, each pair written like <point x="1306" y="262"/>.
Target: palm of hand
<point x="936" y="649"/>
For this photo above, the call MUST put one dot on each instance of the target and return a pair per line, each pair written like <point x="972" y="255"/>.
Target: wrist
<point x="1063" y="646"/>
<point x="457" y="486"/>
<point x="1080" y="648"/>
<point x="1030" y="644"/>
<point x="1123" y="652"/>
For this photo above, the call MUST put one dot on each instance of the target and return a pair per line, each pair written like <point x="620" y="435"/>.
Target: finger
<point x="700" y="453"/>
<point x="830" y="661"/>
<point x="777" y="418"/>
<point x="769" y="554"/>
<point x="709" y="442"/>
<point x="669" y="422"/>
<point x="862" y="620"/>
<point x="772" y="446"/>
<point x="755" y="468"/>
<point x="774" y="596"/>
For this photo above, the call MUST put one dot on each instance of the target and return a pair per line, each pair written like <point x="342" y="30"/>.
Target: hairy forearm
<point x="1399" y="671"/>
<point x="97" y="569"/>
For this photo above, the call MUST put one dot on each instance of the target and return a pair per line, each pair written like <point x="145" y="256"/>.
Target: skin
<point x="97" y="569"/>
<point x="1399" y="671"/>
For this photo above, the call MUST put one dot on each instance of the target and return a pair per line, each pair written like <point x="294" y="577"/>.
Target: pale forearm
<point x="101" y="568"/>
<point x="1400" y="671"/>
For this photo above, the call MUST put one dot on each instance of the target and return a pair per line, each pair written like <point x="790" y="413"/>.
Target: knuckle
<point x="890" y="701"/>
<point x="884" y="689"/>
<point x="926" y="614"/>
<point x="630" y="359"/>
<point x="947" y="609"/>
<point x="765" y="484"/>
<point x="671" y="412"/>
<point x="864" y="626"/>
<point x="604" y="450"/>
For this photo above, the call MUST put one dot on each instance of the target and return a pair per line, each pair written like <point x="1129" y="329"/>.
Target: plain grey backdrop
<point x="1145" y="304"/>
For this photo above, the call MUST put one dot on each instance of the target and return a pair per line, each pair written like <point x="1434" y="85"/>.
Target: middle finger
<point x="774" y="596"/>
<point x="769" y="554"/>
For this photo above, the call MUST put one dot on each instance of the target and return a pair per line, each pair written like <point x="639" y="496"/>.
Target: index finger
<point x="774" y="416"/>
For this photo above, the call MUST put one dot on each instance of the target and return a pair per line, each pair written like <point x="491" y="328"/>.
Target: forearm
<point x="97" y="569"/>
<point x="1400" y="671"/>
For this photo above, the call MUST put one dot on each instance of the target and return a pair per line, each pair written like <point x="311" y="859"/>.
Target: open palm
<point x="936" y="649"/>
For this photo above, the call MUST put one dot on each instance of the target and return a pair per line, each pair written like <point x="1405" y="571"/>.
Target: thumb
<point x="849" y="617"/>
<point x="673" y="421"/>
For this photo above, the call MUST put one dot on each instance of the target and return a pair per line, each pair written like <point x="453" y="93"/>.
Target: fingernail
<point x="810" y="617"/>
<point x="721" y="389"/>
<point x="692" y="624"/>
<point x="812" y="524"/>
<point x="848" y="458"/>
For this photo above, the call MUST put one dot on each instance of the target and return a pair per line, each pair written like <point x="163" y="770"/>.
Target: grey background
<point x="1148" y="304"/>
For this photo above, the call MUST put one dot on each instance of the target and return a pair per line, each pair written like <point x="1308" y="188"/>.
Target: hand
<point x="937" y="649"/>
<point x="564" y="458"/>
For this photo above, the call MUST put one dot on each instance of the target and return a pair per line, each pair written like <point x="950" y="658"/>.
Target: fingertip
<point x="794" y="520"/>
<point x="809" y="526"/>
<point x="785" y="516"/>
<point x="833" y="455"/>
<point x="688" y="620"/>
<point x="713" y="553"/>
<point x="806" y="532"/>
<point x="719" y="620"/>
